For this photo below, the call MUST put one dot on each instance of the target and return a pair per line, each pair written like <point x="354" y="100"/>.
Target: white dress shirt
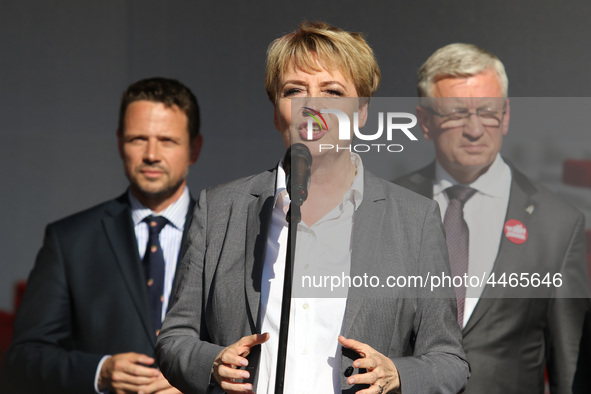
<point x="170" y="236"/>
<point x="485" y="216"/>
<point x="313" y="352"/>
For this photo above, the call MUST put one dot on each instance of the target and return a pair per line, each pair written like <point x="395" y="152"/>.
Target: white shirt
<point x="313" y="356"/>
<point x="170" y="238"/>
<point x="484" y="214"/>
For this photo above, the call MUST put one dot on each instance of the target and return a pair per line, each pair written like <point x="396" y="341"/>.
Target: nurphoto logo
<point x="392" y="125"/>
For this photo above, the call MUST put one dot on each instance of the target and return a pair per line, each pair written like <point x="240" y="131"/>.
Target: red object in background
<point x="6" y="327"/>
<point x="7" y="320"/>
<point x="577" y="172"/>
<point x="18" y="294"/>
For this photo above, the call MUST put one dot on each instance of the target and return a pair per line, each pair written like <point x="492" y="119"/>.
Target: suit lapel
<point x="520" y="202"/>
<point x="420" y="182"/>
<point x="367" y="224"/>
<point x="188" y="220"/>
<point x="259" y="212"/>
<point x="119" y="231"/>
<point x="183" y="248"/>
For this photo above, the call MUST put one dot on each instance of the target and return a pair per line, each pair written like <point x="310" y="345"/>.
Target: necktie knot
<point x="156" y="224"/>
<point x="460" y="193"/>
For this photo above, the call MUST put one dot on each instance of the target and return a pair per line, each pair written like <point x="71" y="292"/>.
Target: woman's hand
<point x="381" y="375"/>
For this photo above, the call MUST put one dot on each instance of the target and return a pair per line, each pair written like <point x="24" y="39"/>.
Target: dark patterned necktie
<point x="458" y="239"/>
<point x="154" y="269"/>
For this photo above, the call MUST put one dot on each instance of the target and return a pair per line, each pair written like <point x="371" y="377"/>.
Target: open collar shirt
<point x="313" y="355"/>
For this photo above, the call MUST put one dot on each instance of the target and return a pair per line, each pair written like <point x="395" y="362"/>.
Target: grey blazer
<point x="395" y="233"/>
<point x="509" y="339"/>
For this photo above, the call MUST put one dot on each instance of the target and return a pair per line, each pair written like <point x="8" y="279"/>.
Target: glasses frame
<point x="465" y="116"/>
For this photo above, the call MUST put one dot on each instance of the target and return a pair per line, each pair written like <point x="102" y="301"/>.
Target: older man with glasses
<point x="501" y="226"/>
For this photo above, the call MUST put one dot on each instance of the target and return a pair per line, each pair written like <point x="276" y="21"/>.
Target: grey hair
<point x="460" y="61"/>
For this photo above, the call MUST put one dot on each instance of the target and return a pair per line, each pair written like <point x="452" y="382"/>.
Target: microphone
<point x="297" y="163"/>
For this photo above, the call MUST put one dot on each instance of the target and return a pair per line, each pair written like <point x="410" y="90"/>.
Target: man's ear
<point x="196" y="145"/>
<point x="506" y="118"/>
<point x="424" y="119"/>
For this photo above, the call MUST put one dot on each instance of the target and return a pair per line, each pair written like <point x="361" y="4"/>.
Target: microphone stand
<point x="297" y="163"/>
<point x="294" y="216"/>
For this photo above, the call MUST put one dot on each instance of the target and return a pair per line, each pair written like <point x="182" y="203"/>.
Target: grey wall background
<point x="64" y="64"/>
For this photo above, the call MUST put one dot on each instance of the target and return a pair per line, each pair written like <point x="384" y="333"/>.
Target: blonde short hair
<point x="459" y="61"/>
<point x="333" y="47"/>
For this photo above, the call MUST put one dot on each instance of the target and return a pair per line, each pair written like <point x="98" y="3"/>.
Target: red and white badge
<point x="515" y="231"/>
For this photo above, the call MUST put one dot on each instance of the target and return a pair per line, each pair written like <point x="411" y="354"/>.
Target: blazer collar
<point x="367" y="223"/>
<point x="522" y="207"/>
<point x="183" y="247"/>
<point x="259" y="212"/>
<point x="119" y="230"/>
<point x="421" y="181"/>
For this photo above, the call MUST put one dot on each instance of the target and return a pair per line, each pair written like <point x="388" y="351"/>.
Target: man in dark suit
<point x="513" y="228"/>
<point x="99" y="289"/>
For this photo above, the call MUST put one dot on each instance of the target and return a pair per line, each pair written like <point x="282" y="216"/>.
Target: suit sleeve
<point x="39" y="355"/>
<point x="565" y="335"/>
<point x="438" y="364"/>
<point x="184" y="355"/>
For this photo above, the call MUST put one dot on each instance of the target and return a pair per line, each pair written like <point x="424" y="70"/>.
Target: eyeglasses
<point x="489" y="117"/>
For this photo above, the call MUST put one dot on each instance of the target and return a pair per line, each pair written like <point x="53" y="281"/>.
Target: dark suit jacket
<point x="509" y="339"/>
<point x="85" y="298"/>
<point x="395" y="233"/>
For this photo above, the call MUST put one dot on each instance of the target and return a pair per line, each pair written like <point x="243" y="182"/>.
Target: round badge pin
<point x="515" y="231"/>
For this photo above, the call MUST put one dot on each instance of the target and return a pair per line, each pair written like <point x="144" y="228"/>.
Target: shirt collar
<point x="176" y="213"/>
<point x="280" y="186"/>
<point x="355" y="192"/>
<point x="490" y="183"/>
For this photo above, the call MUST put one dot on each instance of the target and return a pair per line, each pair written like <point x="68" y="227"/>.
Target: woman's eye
<point x="334" y="92"/>
<point x="291" y="92"/>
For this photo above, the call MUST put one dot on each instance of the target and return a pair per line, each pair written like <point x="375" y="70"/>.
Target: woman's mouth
<point x="311" y="131"/>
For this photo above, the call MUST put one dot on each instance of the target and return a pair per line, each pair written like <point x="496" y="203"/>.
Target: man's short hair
<point x="332" y="47"/>
<point x="458" y="61"/>
<point x="169" y="92"/>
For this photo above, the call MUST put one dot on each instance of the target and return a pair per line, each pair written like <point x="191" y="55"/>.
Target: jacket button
<point x="348" y="371"/>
